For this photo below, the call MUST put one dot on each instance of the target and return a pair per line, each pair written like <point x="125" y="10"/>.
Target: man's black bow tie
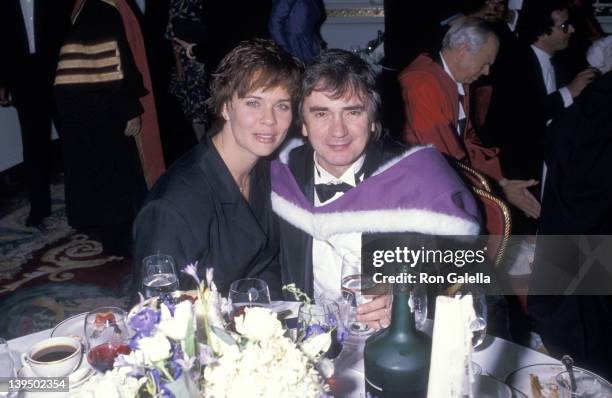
<point x="327" y="191"/>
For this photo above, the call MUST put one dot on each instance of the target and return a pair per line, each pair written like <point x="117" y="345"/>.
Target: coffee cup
<point x="53" y="357"/>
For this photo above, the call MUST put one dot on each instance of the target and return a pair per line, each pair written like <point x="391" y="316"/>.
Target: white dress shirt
<point x="460" y="90"/>
<point x="327" y="256"/>
<point x="27" y="10"/>
<point x="516" y="6"/>
<point x="550" y="79"/>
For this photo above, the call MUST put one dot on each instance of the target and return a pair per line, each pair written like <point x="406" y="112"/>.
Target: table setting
<point x="197" y="343"/>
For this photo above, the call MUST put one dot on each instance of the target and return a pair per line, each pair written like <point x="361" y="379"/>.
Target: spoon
<point x="569" y="363"/>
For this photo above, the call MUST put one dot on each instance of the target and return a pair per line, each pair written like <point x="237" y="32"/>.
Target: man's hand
<point x="582" y="80"/>
<point x="4" y="98"/>
<point x="376" y="312"/>
<point x="516" y="192"/>
<point x="132" y="127"/>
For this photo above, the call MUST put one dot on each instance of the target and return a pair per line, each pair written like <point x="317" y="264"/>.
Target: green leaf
<point x="183" y="387"/>
<point x="224" y="336"/>
<point x="190" y="340"/>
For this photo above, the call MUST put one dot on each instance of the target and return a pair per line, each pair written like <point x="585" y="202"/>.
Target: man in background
<point x="31" y="33"/>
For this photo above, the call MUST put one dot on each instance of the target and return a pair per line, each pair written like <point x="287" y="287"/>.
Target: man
<point x="436" y="98"/>
<point x="387" y="188"/>
<point x="108" y="120"/>
<point x="31" y="33"/>
<point x="578" y="209"/>
<point x="529" y="95"/>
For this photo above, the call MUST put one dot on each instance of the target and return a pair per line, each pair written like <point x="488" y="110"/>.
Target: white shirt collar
<point x="447" y="70"/>
<point x="322" y="176"/>
<point x="543" y="56"/>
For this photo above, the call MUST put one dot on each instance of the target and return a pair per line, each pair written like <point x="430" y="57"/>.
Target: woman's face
<point x="258" y="123"/>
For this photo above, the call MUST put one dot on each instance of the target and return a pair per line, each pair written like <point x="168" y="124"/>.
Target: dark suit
<point x="195" y="212"/>
<point x="29" y="79"/>
<point x="518" y="113"/>
<point x="296" y="245"/>
<point x="577" y="200"/>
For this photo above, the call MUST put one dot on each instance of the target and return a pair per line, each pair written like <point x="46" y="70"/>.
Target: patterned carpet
<point x="50" y="273"/>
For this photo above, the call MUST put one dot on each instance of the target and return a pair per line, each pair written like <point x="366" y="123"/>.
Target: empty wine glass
<point x="107" y="336"/>
<point x="588" y="385"/>
<point x="159" y="275"/>
<point x="248" y="292"/>
<point x="479" y="302"/>
<point x="352" y="285"/>
<point x="418" y="305"/>
<point x="321" y="317"/>
<point x="7" y="368"/>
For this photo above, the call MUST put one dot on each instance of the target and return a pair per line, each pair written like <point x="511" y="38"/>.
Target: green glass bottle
<point x="397" y="358"/>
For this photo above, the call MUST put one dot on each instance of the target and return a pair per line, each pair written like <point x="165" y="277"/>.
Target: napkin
<point x="450" y="372"/>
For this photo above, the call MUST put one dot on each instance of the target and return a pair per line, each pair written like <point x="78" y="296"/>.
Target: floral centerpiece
<point x="188" y="349"/>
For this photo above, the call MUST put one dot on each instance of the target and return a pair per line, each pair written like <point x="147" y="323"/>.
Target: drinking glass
<point x="321" y="317"/>
<point x="418" y="305"/>
<point x="479" y="302"/>
<point x="7" y="368"/>
<point x="248" y="292"/>
<point x="159" y="275"/>
<point x="107" y="336"/>
<point x="588" y="385"/>
<point x="352" y="285"/>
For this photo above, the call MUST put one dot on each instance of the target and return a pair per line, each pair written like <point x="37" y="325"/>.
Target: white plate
<point x="546" y="372"/>
<point x="83" y="373"/>
<point x="71" y="327"/>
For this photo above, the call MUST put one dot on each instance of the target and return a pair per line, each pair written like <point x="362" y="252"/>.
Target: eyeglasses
<point x="565" y="26"/>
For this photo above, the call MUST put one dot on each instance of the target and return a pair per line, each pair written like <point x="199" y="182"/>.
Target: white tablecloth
<point x="497" y="357"/>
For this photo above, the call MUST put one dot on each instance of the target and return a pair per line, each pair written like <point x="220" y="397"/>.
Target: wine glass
<point x="248" y="292"/>
<point x="479" y="302"/>
<point x="7" y="368"/>
<point x="159" y="275"/>
<point x="418" y="305"/>
<point x="588" y="385"/>
<point x="107" y="335"/>
<point x="352" y="285"/>
<point x="321" y="317"/>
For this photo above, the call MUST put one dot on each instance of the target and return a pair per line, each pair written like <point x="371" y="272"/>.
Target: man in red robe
<point x="436" y="102"/>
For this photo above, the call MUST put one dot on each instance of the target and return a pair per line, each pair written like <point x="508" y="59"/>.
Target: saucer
<point x="77" y="378"/>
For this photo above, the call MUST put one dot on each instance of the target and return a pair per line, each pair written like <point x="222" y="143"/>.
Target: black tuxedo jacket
<point x="195" y="212"/>
<point x="518" y="113"/>
<point x="51" y="23"/>
<point x="296" y="245"/>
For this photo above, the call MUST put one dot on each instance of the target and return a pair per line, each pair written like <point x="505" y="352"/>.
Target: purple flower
<point x="175" y="366"/>
<point x="331" y="320"/>
<point x="145" y="321"/>
<point x="192" y="270"/>
<point x="342" y="334"/>
<point x="313" y="330"/>
<point x="166" y="393"/>
<point x="207" y="356"/>
<point x="135" y="371"/>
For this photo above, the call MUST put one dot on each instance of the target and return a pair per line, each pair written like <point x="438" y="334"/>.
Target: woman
<point x="213" y="205"/>
<point x="189" y="81"/>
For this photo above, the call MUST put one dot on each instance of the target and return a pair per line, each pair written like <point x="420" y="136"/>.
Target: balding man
<point x="435" y="90"/>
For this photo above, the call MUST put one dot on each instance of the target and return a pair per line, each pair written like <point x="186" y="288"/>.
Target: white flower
<point x="115" y="383"/>
<point x="155" y="348"/>
<point x="258" y="324"/>
<point x="316" y="344"/>
<point x="175" y="327"/>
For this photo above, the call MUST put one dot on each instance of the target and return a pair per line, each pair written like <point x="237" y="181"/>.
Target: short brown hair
<point x="253" y="64"/>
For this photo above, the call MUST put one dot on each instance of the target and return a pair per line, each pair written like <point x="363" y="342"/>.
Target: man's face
<point x="338" y="129"/>
<point x="558" y="39"/>
<point x="470" y="66"/>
